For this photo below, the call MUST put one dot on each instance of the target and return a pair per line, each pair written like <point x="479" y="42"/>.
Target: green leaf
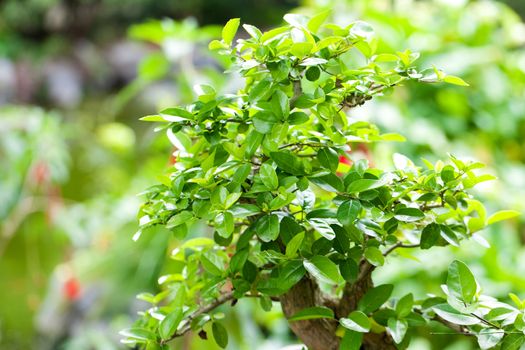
<point x="289" y="228"/>
<point x="296" y="20"/>
<point x="374" y="256"/>
<point x="404" y="305"/>
<point x="312" y="73"/>
<point x="312" y="313"/>
<point x="397" y="329"/>
<point x="448" y="313"/>
<point x="288" y="163"/>
<point x="321" y="213"/>
<point x="212" y="263"/>
<point x="362" y="185"/>
<point x="241" y="173"/>
<point x="461" y="282"/>
<point x="448" y="174"/>
<point x="297" y="118"/>
<point x="224" y="224"/>
<point x="279" y="70"/>
<point x="219" y="334"/>
<point x="264" y="122"/>
<point x="168" y="326"/>
<point x="502" y="215"/>
<point x="230" y="29"/>
<point x="328" y="158"/>
<point x="269" y="176"/>
<point x="489" y="338"/>
<point x="361" y="29"/>
<point x="219" y="195"/>
<point x="138" y="334"/>
<point x="516" y="300"/>
<point x="316" y="21"/>
<point x="274" y="33"/>
<point x="313" y="61"/>
<point x="300" y="50"/>
<point x="356" y="321"/>
<point x="430" y="236"/>
<point x="252" y="143"/>
<point x="475" y="224"/>
<point x="512" y="342"/>
<point x="295" y="243"/>
<point x="348" y="212"/>
<point x="206" y="93"/>
<point x="291" y="273"/>
<point x="239" y="259"/>
<point x="329" y="182"/>
<point x="179" y="219"/>
<point x="323" y="269"/>
<point x="392" y="137"/>
<point x="253" y="31"/>
<point x="180" y="231"/>
<point x="341" y="241"/>
<point x="244" y="210"/>
<point x="154" y="118"/>
<point x="280" y="104"/>
<point x="267" y="227"/>
<point x="259" y="90"/>
<point x="409" y="214"/>
<point x="449" y="235"/>
<point x="374" y="298"/>
<point x="451" y="79"/>
<point x="349" y="270"/>
<point x="322" y="226"/>
<point x="385" y="57"/>
<point x="231" y="199"/>
<point x="351" y="340"/>
<point x="176" y="112"/>
<point x="217" y="45"/>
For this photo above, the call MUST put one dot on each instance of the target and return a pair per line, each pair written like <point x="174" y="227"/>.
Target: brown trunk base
<point x="319" y="334"/>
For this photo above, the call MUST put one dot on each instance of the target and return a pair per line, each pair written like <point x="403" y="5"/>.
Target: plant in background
<point x="294" y="225"/>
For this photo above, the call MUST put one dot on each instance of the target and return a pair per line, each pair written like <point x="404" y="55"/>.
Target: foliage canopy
<point x="295" y="218"/>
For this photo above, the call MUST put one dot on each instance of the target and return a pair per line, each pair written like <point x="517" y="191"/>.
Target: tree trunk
<point x="319" y="334"/>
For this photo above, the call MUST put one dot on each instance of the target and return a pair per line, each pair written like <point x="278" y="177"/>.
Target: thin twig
<point x="222" y="299"/>
<point x="488" y="323"/>
<point x="204" y="309"/>
<point x="399" y="245"/>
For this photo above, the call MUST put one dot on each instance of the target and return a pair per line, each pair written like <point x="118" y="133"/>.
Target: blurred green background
<point x="75" y="76"/>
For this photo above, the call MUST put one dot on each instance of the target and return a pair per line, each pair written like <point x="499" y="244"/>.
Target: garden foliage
<point x="295" y="217"/>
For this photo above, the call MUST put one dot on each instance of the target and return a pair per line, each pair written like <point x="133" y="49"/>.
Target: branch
<point x="303" y="144"/>
<point x="399" y="245"/>
<point x="366" y="270"/>
<point x="488" y="323"/>
<point x="222" y="299"/>
<point x="297" y="91"/>
<point x="455" y="327"/>
<point x="204" y="309"/>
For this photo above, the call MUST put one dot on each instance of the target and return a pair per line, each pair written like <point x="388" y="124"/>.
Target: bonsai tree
<point x="296" y="218"/>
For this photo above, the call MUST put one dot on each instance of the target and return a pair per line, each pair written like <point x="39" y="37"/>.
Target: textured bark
<point x="378" y="341"/>
<point x="319" y="334"/>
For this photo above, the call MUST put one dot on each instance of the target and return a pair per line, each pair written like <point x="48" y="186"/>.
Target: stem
<point x="488" y="323"/>
<point x="204" y="309"/>
<point x="222" y="299"/>
<point x="302" y="144"/>
<point x="455" y="327"/>
<point x="400" y="245"/>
